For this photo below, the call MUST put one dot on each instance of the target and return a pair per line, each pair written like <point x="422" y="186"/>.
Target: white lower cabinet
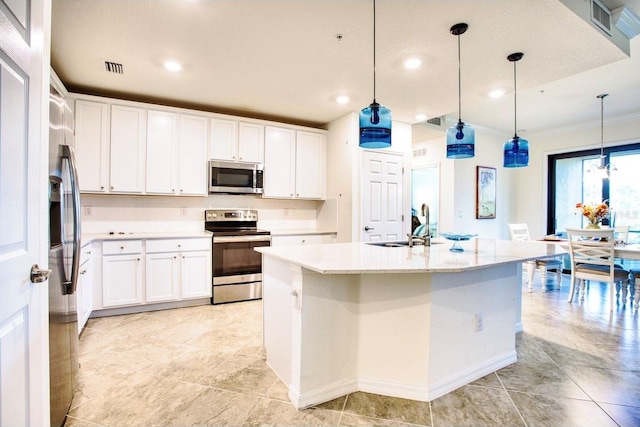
<point x="178" y="269"/>
<point x="152" y="271"/>
<point x="84" y="288"/>
<point x="122" y="268"/>
<point x="302" y="239"/>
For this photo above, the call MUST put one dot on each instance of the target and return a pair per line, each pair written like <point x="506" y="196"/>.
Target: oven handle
<point x="238" y="239"/>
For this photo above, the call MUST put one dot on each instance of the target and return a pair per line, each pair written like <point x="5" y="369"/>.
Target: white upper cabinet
<point x="235" y="141"/>
<point x="92" y="145"/>
<point x="279" y="163"/>
<point x="176" y="154"/>
<point x="311" y="153"/>
<point x="128" y="149"/>
<point x="294" y="165"/>
<point x="250" y="142"/>
<point x="192" y="156"/>
<point x="162" y="134"/>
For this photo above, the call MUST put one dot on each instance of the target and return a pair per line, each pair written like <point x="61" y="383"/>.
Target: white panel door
<point x="382" y="196"/>
<point x="24" y="348"/>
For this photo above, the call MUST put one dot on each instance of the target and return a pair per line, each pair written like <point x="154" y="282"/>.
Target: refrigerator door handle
<point x="70" y="286"/>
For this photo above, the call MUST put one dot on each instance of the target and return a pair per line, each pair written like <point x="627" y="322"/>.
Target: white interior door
<point x="24" y="348"/>
<point x="382" y="196"/>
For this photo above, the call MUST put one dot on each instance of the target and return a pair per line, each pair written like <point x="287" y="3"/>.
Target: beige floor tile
<point x="277" y="413"/>
<point x="388" y="408"/>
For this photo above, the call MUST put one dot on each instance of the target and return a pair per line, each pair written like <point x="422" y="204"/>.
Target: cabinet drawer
<point x="120" y="247"/>
<point x="178" y="245"/>
<point x="85" y="253"/>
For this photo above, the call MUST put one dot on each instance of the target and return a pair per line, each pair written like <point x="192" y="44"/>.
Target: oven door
<point x="235" y="261"/>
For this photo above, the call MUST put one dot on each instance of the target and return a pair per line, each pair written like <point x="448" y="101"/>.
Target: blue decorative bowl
<point x="456" y="238"/>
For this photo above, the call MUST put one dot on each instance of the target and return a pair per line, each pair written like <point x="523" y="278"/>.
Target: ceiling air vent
<point x="601" y="16"/>
<point x="435" y="121"/>
<point x="113" y="67"/>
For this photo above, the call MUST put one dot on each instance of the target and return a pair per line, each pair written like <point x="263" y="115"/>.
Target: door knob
<point x="367" y="228"/>
<point x="39" y="275"/>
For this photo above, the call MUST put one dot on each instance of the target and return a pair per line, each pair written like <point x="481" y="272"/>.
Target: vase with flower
<point x="594" y="213"/>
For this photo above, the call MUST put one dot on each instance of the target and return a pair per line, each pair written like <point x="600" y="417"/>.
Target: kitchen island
<point x="415" y="323"/>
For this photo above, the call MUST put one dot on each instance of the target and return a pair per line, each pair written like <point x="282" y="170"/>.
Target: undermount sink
<point x="400" y="243"/>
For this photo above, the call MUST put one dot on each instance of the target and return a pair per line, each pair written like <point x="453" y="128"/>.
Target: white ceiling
<point x="281" y="59"/>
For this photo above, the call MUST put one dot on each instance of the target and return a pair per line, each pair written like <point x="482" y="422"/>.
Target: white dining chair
<point x="634" y="285"/>
<point x="592" y="258"/>
<point x="519" y="233"/>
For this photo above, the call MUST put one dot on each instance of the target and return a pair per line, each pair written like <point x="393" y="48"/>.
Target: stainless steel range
<point x="236" y="267"/>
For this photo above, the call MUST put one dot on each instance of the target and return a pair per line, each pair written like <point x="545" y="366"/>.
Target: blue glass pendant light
<point x="460" y="137"/>
<point x="375" y="120"/>
<point x="516" y="150"/>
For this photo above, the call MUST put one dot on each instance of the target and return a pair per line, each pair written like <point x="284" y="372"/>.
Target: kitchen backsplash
<point x="105" y="213"/>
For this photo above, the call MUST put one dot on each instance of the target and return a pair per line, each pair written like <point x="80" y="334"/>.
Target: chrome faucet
<point x="425" y="239"/>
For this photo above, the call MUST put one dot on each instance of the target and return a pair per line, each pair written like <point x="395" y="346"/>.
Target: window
<point x="571" y="180"/>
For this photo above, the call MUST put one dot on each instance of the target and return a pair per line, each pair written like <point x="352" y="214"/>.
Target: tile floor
<point x="578" y="365"/>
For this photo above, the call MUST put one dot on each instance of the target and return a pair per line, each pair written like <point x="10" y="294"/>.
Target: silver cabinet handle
<point x="39" y="275"/>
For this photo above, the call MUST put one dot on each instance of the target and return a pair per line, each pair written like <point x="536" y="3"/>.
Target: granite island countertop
<point x="360" y="257"/>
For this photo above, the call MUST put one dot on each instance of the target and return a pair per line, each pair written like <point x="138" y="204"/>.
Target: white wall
<point x="166" y="213"/>
<point x="458" y="185"/>
<point x="344" y="172"/>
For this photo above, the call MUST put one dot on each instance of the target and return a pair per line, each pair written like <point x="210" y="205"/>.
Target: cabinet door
<point x="92" y="145"/>
<point x="310" y="165"/>
<point x="85" y="294"/>
<point x="161" y="145"/>
<point x="196" y="274"/>
<point x="279" y="157"/>
<point x="161" y="277"/>
<point x="127" y="149"/>
<point x="192" y="168"/>
<point x="122" y="280"/>
<point x="223" y="141"/>
<point x="250" y="142"/>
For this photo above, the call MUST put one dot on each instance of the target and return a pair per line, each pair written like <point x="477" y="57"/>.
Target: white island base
<point x="414" y="335"/>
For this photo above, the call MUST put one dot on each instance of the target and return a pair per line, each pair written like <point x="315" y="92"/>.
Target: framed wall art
<point x="485" y="192"/>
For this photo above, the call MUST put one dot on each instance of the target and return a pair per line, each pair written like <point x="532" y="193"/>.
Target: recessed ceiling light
<point x="421" y="117"/>
<point x="412" y="63"/>
<point x="172" y="66"/>
<point x="496" y="93"/>
<point x="342" y="99"/>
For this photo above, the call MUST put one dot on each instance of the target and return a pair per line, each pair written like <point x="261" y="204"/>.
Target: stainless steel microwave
<point x="235" y="178"/>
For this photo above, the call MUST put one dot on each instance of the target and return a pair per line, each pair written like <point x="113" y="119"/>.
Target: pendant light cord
<point x="374" y="50"/>
<point x="515" y="103"/>
<point x="602" y="126"/>
<point x="459" y="84"/>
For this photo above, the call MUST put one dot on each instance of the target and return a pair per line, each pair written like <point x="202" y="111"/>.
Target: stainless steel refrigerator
<point x="64" y="259"/>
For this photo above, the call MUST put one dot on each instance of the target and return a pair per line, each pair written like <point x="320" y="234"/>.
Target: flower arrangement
<point x="593" y="213"/>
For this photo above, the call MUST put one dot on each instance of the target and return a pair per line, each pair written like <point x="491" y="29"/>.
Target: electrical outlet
<point x="183" y="211"/>
<point x="479" y="322"/>
<point x="88" y="210"/>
